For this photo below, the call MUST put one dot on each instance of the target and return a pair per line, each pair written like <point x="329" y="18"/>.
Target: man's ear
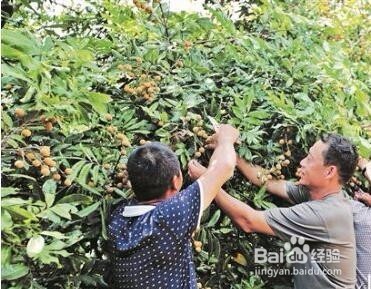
<point x="176" y="182"/>
<point x="331" y="171"/>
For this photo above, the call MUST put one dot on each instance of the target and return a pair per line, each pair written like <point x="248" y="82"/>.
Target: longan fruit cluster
<point x="143" y="142"/>
<point x="142" y="6"/>
<point x="43" y="161"/>
<point x="199" y="286"/>
<point x="20" y="113"/>
<point x="196" y="124"/>
<point x="179" y="63"/>
<point x="284" y="142"/>
<point x="197" y="245"/>
<point x="187" y="45"/>
<point x="48" y="122"/>
<point x="275" y="172"/>
<point x="199" y="131"/>
<point x="121" y="179"/>
<point x="120" y="137"/>
<point x="147" y="88"/>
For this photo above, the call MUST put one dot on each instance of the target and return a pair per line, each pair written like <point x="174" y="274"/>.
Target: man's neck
<point x="322" y="192"/>
<point x="168" y="194"/>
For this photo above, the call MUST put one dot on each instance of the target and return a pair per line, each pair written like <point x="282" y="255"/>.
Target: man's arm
<point x="275" y="187"/>
<point x="245" y="217"/>
<point x="221" y="165"/>
<point x="242" y="215"/>
<point x="365" y="167"/>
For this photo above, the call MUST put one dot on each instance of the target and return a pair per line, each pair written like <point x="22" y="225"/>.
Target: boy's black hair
<point x="151" y="168"/>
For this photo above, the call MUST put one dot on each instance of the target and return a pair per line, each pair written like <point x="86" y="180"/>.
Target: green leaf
<point x="8" y="191"/>
<point x="20" y="40"/>
<point x="88" y="210"/>
<point x="76" y="199"/>
<point x="98" y="101"/>
<point x="214" y="219"/>
<point x="6" y="220"/>
<point x="13" y="202"/>
<point x="49" y="187"/>
<point x="18" y="73"/>
<point x="6" y="255"/>
<point x="18" y="211"/>
<point x="13" y="271"/>
<point x="76" y="169"/>
<point x="84" y="174"/>
<point x="49" y="199"/>
<point x="63" y="210"/>
<point x="55" y="234"/>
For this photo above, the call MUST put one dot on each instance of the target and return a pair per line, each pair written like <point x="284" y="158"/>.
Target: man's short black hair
<point x="342" y="154"/>
<point x="151" y="168"/>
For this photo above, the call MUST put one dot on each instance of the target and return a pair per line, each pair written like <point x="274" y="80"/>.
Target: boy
<point x="150" y="236"/>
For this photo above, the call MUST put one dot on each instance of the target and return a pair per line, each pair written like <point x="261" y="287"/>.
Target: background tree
<point x="83" y="87"/>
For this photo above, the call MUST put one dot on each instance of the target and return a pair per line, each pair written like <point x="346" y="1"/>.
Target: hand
<point x="362" y="162"/>
<point x="365" y="166"/>
<point x="195" y="169"/>
<point x="363" y="197"/>
<point x="224" y="133"/>
<point x="227" y="133"/>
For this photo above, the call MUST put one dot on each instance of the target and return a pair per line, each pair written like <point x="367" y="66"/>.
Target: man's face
<point x="313" y="171"/>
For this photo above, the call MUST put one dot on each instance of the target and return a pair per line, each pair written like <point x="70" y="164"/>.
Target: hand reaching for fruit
<point x="363" y="197"/>
<point x="195" y="169"/>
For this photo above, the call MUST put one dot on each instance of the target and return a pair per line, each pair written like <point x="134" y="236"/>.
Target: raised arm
<point x="251" y="172"/>
<point x="245" y="217"/>
<point x="222" y="163"/>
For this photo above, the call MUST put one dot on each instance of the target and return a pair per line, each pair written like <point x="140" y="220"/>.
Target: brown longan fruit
<point x="108" y="117"/>
<point x="67" y="182"/>
<point x="68" y="171"/>
<point x="110" y="189"/>
<point x="197" y="243"/>
<point x="56" y="177"/>
<point x="48" y="126"/>
<point x="19" y="112"/>
<point x="19" y="164"/>
<point x="26" y="132"/>
<point x="30" y="156"/>
<point x="45" y="171"/>
<point x="121" y="166"/>
<point x="201" y="150"/>
<point x="36" y="163"/>
<point x="45" y="151"/>
<point x="50" y="162"/>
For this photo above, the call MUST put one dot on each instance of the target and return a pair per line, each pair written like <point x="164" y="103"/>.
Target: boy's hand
<point x="195" y="169"/>
<point x="224" y="133"/>
<point x="227" y="133"/>
<point x="363" y="197"/>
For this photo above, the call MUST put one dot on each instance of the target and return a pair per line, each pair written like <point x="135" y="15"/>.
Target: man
<point x="321" y="215"/>
<point x="362" y="227"/>
<point x="149" y="237"/>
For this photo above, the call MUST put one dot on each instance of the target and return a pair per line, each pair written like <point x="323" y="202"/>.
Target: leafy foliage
<point x="81" y="89"/>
